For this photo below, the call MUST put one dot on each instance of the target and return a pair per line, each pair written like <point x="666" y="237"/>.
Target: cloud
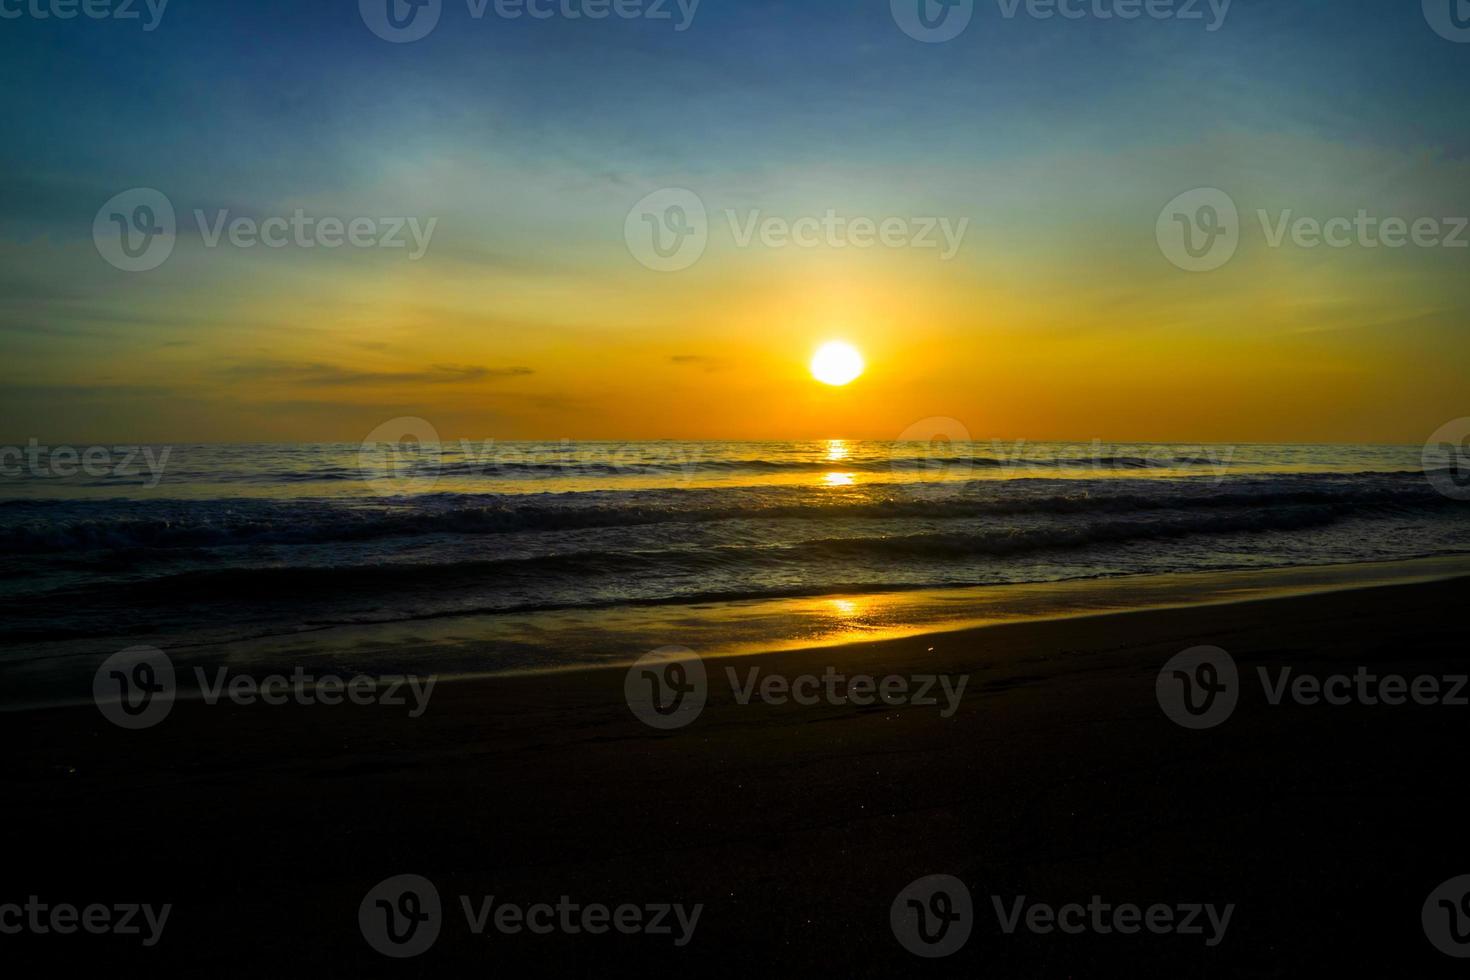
<point x="701" y="360"/>
<point x="328" y="375"/>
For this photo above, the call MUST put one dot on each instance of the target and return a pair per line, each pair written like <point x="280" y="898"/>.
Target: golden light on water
<point x="837" y="364"/>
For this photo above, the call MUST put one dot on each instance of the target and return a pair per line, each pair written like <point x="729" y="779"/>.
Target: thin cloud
<point x="700" y="360"/>
<point x="334" y="376"/>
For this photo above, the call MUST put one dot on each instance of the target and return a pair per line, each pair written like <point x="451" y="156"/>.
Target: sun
<point x="837" y="364"/>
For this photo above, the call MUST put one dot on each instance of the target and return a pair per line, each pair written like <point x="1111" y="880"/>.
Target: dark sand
<point x="1060" y="778"/>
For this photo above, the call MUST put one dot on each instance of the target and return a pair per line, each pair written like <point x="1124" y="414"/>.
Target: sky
<point x="523" y="151"/>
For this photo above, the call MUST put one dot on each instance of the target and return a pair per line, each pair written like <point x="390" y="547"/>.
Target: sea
<point x="481" y="556"/>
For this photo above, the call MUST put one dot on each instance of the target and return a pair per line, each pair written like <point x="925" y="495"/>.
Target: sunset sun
<point x="837" y="364"/>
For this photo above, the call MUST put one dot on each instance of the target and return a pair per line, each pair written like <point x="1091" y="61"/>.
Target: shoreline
<point x="810" y="624"/>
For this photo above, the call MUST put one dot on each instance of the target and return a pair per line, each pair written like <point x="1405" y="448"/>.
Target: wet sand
<point x="1058" y="778"/>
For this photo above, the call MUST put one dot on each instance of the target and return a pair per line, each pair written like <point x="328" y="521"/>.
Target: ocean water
<point x="199" y="546"/>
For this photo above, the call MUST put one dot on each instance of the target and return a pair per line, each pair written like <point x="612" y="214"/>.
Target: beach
<point x="575" y="488"/>
<point x="1057" y="777"/>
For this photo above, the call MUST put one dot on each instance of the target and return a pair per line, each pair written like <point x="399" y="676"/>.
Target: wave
<point x="309" y="582"/>
<point x="693" y="465"/>
<point x="110" y="526"/>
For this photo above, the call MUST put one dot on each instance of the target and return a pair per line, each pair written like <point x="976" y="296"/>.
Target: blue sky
<point x="531" y="138"/>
